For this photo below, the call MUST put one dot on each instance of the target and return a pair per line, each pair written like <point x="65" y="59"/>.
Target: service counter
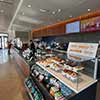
<point x="23" y="65"/>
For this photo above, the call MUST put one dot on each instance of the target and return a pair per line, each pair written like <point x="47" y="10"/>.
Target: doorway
<point x="3" y="41"/>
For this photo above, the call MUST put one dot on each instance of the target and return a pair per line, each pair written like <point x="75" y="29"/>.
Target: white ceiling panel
<point x="7" y="9"/>
<point x="29" y="20"/>
<point x="34" y="18"/>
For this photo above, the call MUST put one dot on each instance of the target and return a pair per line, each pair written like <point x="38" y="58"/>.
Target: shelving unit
<point x="36" y="89"/>
<point x="80" y="89"/>
<point x="43" y="90"/>
<point x="30" y="95"/>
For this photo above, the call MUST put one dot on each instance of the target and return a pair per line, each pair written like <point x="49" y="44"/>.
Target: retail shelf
<point x="31" y="97"/>
<point x="43" y="90"/>
<point x="87" y="81"/>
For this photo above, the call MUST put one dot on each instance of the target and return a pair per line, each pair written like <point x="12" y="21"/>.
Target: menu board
<point x="83" y="49"/>
<point x="73" y="27"/>
<point x="91" y="24"/>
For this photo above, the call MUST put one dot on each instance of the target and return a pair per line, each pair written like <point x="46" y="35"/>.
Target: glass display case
<point x="51" y="83"/>
<point x="64" y="74"/>
<point x="77" y="75"/>
<point x="75" y="71"/>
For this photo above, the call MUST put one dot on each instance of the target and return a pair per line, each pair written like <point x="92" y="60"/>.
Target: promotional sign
<point x="73" y="27"/>
<point x="91" y="24"/>
<point x="83" y="49"/>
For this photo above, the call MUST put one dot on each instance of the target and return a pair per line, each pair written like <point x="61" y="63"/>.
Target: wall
<point x="80" y="37"/>
<point x="77" y="37"/>
<point x="11" y="34"/>
<point x="24" y="36"/>
<point x="59" y="28"/>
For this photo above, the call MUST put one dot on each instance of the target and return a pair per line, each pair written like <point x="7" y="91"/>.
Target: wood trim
<point x="45" y="31"/>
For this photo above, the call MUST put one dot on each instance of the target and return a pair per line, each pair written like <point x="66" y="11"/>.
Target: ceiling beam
<point x="15" y="14"/>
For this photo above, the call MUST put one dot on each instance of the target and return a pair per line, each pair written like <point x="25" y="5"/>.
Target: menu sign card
<point x="83" y="49"/>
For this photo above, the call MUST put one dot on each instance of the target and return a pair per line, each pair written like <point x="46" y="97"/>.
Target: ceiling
<point x="7" y="10"/>
<point x="52" y="11"/>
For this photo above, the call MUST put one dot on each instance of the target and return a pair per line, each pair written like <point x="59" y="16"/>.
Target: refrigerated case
<point x="75" y="71"/>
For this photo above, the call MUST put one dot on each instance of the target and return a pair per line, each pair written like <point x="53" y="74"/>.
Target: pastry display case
<point x="66" y="75"/>
<point x="54" y="87"/>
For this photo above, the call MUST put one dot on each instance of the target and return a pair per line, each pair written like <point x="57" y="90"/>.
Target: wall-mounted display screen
<point x="73" y="27"/>
<point x="91" y="24"/>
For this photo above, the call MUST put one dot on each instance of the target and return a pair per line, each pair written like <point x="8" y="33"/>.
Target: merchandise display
<point x="70" y="72"/>
<point x="33" y="90"/>
<point x="51" y="84"/>
<point x="50" y="49"/>
<point x="58" y="75"/>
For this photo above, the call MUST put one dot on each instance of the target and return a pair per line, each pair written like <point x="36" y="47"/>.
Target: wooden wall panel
<point x="59" y="28"/>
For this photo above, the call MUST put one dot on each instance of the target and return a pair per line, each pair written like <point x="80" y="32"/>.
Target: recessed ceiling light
<point x="70" y="16"/>
<point x="53" y="12"/>
<point x="1" y="11"/>
<point x="43" y="10"/>
<point x="29" y="6"/>
<point x="89" y="9"/>
<point x="59" y="10"/>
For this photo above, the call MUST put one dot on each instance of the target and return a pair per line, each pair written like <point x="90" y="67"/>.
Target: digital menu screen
<point x="91" y="24"/>
<point x="73" y="27"/>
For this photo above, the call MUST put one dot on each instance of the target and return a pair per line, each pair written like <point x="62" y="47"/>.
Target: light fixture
<point x="43" y="10"/>
<point x="59" y="10"/>
<point x="1" y="11"/>
<point x="89" y="10"/>
<point x="53" y="12"/>
<point x="29" y="6"/>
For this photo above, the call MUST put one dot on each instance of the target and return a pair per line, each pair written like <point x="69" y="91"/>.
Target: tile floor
<point x="11" y="87"/>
